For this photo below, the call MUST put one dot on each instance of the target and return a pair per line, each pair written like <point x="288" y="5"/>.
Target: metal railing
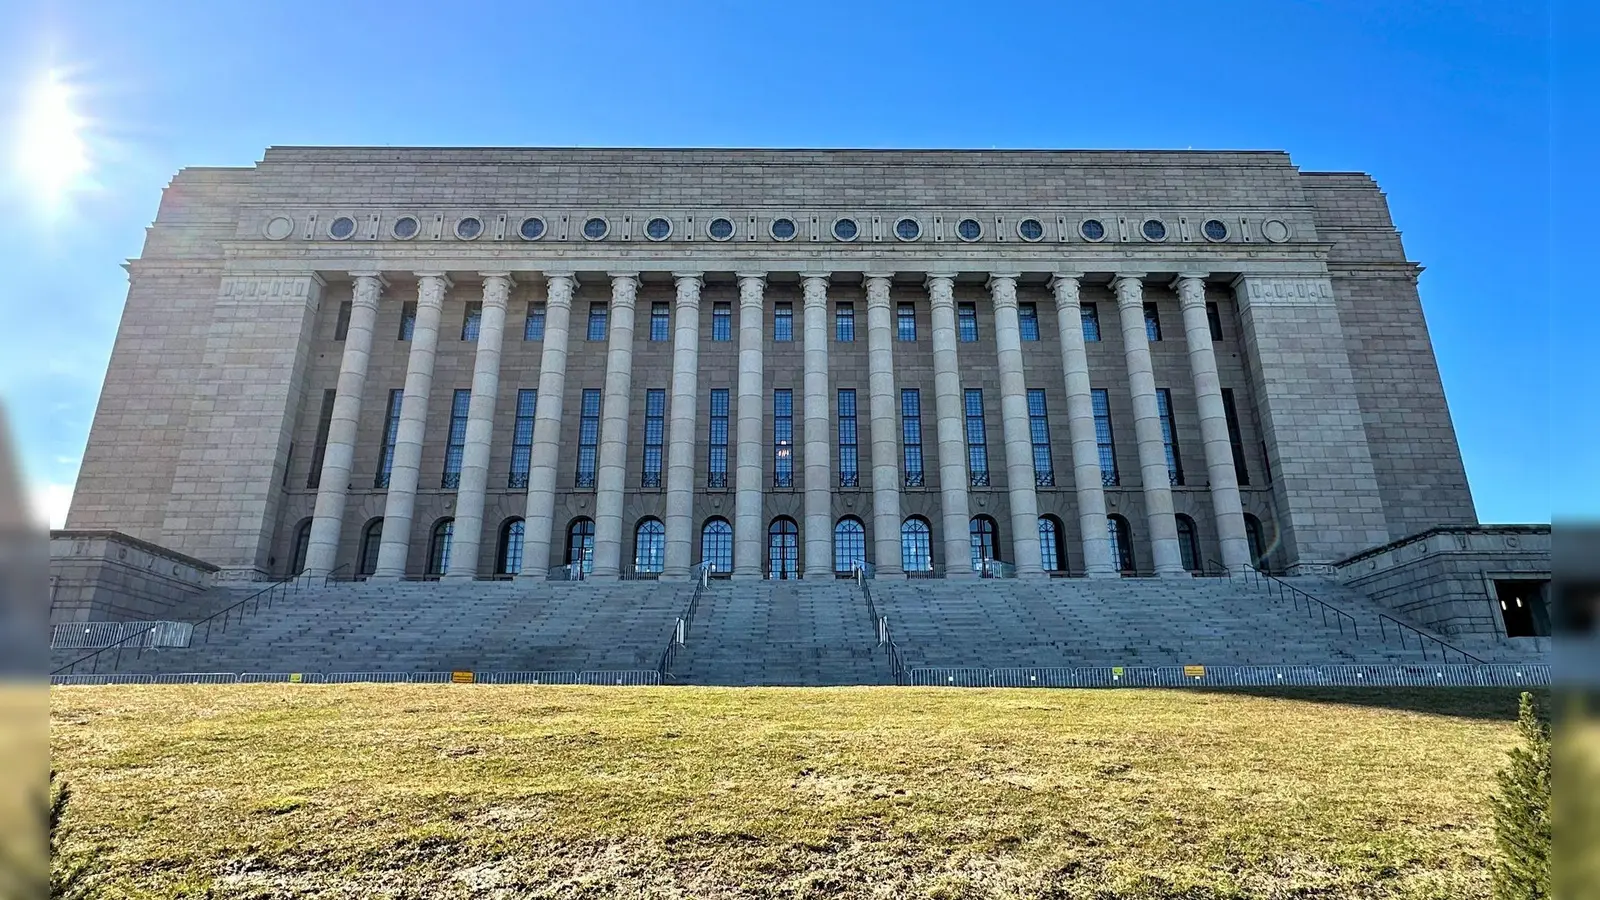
<point x="680" y="627"/>
<point x="994" y="568"/>
<point x="568" y="572"/>
<point x="99" y="635"/>
<point x="622" y="677"/>
<point x="1425" y="642"/>
<point x="1333" y="675"/>
<point x="863" y="572"/>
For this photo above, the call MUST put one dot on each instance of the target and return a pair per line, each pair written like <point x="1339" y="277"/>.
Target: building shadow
<point x="1483" y="704"/>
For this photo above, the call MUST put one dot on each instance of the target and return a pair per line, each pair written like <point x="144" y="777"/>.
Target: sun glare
<point x="51" y="156"/>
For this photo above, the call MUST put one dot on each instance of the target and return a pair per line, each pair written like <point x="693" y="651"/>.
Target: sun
<point x="51" y="157"/>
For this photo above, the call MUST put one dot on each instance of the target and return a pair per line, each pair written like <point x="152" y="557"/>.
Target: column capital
<point x="1066" y="289"/>
<point x="751" y="289"/>
<point x="867" y="277"/>
<point x="1191" y="287"/>
<point x="441" y="276"/>
<point x="807" y="276"/>
<point x="496" y="287"/>
<point x="1003" y="289"/>
<point x="689" y="285"/>
<point x="510" y="278"/>
<point x="559" y="288"/>
<point x="624" y="288"/>
<point x="373" y="274"/>
<point x="941" y="289"/>
<point x="1129" y="287"/>
<point x="694" y="276"/>
<point x="815" y="289"/>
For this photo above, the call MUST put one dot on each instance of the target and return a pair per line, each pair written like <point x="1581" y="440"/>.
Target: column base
<point x="964" y="573"/>
<point x="458" y="577"/>
<point x="1032" y="576"/>
<point x="746" y="576"/>
<point x="533" y="576"/>
<point x="1102" y="573"/>
<point x="817" y="576"/>
<point x="1174" y="573"/>
<point x="384" y="578"/>
<point x="674" y="576"/>
<point x="602" y="576"/>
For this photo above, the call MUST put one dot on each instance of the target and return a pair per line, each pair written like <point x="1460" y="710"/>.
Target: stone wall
<point x="1443" y="578"/>
<point x="105" y="576"/>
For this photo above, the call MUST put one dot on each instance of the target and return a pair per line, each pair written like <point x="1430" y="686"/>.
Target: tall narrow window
<point x="439" y="547"/>
<point x="456" y="444"/>
<point x="655" y="428"/>
<point x="783" y="321"/>
<point x="408" y="319"/>
<point x="1169" y="435"/>
<point x="1121" y="537"/>
<point x="977" y="439"/>
<point x="844" y="323"/>
<point x="1028" y="321"/>
<point x="580" y="545"/>
<point x="533" y="326"/>
<point x="1235" y="438"/>
<point x="906" y="322"/>
<point x="341" y="328"/>
<point x="391" y="431"/>
<point x="472" y="321"/>
<point x="1091" y="321"/>
<point x="1214" y="320"/>
<point x="599" y="313"/>
<point x="371" y="541"/>
<point x="660" y="322"/>
<point x="1266" y="463"/>
<point x="966" y="322"/>
<point x="1044" y="467"/>
<point x="911" y="434"/>
<point x="717" y="452"/>
<point x="849" y="545"/>
<point x="1257" y="542"/>
<point x="522" y="438"/>
<point x="716" y="545"/>
<point x="508" y="561"/>
<point x="783" y="438"/>
<point x="588" y="437"/>
<point x="1104" y="440"/>
<point x="1188" y="543"/>
<point x="916" y="545"/>
<point x="985" y="539"/>
<point x="1152" y="322"/>
<point x="849" y="471"/>
<point x="324" y="422"/>
<point x="721" y="321"/>
<point x="649" y="547"/>
<point x="302" y="544"/>
<point x="783" y="549"/>
<point x="1052" y="555"/>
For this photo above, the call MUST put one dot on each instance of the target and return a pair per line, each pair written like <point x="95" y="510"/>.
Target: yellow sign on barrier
<point x="1116" y="671"/>
<point x="461" y="677"/>
<point x="296" y="678"/>
<point x="1194" y="671"/>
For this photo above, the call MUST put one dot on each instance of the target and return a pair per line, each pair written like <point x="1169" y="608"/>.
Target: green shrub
<point x="1522" y="812"/>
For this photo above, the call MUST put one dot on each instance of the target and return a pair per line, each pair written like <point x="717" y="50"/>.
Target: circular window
<point x="1154" y="230"/>
<point x="406" y="227"/>
<point x="532" y="228"/>
<point x="845" y="229"/>
<point x="907" y="229"/>
<point x="1092" y="230"/>
<point x="1215" y="230"/>
<point x="278" y="228"/>
<point x="969" y="230"/>
<point x="658" y="229"/>
<point x="596" y="228"/>
<point x="720" y="229"/>
<point x="783" y="229"/>
<point x="1275" y="230"/>
<point x="341" y="228"/>
<point x="1030" y="230"/>
<point x="469" y="228"/>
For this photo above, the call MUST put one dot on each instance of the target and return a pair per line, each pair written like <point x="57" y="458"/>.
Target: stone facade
<point x="103" y="576"/>
<point x="247" y="407"/>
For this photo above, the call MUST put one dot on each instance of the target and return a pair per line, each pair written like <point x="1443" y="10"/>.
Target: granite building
<point x="544" y="362"/>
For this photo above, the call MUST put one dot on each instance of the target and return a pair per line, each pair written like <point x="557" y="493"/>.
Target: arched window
<point x="649" y="547"/>
<point x="1188" y="543"/>
<point x="439" y="548"/>
<point x="985" y="541"/>
<point x="371" y="540"/>
<point x="580" y="544"/>
<point x="916" y="553"/>
<point x="508" y="560"/>
<point x="1258" y="547"/>
<point x="849" y="545"/>
<point x="716" y="545"/>
<point x="1121" y="542"/>
<point x="783" y="549"/>
<point x="1052" y="550"/>
<point x="302" y="543"/>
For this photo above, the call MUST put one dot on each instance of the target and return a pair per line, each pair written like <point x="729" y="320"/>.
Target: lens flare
<point x="51" y="156"/>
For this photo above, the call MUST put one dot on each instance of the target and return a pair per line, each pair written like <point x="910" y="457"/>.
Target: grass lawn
<point x="492" y="791"/>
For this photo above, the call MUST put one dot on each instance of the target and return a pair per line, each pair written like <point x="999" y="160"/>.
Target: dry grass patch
<point x="480" y="791"/>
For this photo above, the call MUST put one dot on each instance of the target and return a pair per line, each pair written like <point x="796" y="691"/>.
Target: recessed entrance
<point x="1524" y="607"/>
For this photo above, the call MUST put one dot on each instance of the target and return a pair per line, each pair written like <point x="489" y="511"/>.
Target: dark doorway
<point x="1524" y="607"/>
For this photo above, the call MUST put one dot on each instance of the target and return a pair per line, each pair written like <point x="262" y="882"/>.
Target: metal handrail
<point x="680" y="627"/>
<point x="333" y="573"/>
<point x="860" y="569"/>
<point x="1273" y="582"/>
<point x="897" y="662"/>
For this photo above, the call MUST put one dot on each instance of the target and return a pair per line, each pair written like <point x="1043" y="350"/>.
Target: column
<point x="539" y="521"/>
<point x="1086" y="474"/>
<point x="1014" y="425"/>
<point x="328" y="518"/>
<point x="885" y="445"/>
<point x="612" y="470"/>
<point x="818" y="533"/>
<point x="748" y="527"/>
<point x="681" y="429"/>
<point x="468" y="534"/>
<point x="1163" y="526"/>
<point x="1213" y="424"/>
<point x="950" y="429"/>
<point x="407" y="459"/>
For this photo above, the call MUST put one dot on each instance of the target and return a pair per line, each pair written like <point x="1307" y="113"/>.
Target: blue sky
<point x="1448" y="105"/>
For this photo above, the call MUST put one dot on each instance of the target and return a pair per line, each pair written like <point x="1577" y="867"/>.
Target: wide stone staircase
<point x="428" y="627"/>
<point x="1147" y="622"/>
<point x="781" y="633"/>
